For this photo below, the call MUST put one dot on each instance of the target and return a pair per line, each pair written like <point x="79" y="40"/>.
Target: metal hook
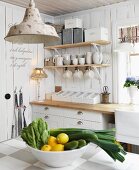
<point x="20" y="89"/>
<point x="15" y="89"/>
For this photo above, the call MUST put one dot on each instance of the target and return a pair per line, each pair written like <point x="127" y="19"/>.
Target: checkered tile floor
<point x="15" y="156"/>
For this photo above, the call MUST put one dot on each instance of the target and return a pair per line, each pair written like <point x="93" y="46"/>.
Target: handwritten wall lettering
<point x="21" y="50"/>
<point x="21" y="60"/>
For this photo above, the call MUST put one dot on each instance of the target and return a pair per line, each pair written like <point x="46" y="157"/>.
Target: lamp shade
<point x="32" y="30"/>
<point x="38" y="73"/>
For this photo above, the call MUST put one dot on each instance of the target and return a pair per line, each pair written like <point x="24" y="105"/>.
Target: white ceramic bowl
<point x="58" y="159"/>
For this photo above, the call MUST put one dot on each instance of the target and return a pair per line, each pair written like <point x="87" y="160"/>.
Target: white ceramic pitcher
<point x="97" y="56"/>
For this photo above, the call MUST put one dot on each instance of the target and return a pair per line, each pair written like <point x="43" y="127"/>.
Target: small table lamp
<point x="38" y="74"/>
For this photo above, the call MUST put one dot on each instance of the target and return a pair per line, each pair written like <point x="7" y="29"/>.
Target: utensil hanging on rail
<point x="14" y="132"/>
<point x="23" y="108"/>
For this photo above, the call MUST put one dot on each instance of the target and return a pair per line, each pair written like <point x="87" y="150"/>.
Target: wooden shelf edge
<point x="73" y="66"/>
<point x="99" y="42"/>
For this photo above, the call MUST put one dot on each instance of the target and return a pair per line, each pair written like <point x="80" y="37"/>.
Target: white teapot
<point x="97" y="56"/>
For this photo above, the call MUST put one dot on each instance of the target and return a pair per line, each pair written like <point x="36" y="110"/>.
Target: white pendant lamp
<point x="32" y="30"/>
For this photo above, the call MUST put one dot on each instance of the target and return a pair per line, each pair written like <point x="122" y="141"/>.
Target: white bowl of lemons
<point x="58" y="159"/>
<point x="59" y="152"/>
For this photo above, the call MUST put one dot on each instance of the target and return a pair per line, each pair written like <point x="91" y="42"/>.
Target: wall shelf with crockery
<point x="82" y="44"/>
<point x="73" y="66"/>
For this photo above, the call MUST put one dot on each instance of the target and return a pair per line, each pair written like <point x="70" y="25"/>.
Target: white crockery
<point x="66" y="56"/>
<point x="75" y="61"/>
<point x="67" y="74"/>
<point x="97" y="56"/>
<point x="88" y="58"/>
<point x="89" y="74"/>
<point x="78" y="74"/>
<point x="58" y="159"/>
<point x="81" y="61"/>
<point x="66" y="62"/>
<point x="106" y="58"/>
<point x="58" y="60"/>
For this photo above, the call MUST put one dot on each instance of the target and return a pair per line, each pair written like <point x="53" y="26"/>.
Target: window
<point x="134" y="65"/>
<point x="128" y="65"/>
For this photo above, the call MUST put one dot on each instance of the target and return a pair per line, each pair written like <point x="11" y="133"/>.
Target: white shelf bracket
<point x="99" y="77"/>
<point x="57" y="51"/>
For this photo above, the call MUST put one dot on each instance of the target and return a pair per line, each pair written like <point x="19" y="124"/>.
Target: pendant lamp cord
<point x="32" y="3"/>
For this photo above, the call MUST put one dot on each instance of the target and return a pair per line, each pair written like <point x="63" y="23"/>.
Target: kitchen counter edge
<point x="103" y="108"/>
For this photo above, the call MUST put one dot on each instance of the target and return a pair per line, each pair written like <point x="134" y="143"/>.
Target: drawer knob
<point x="80" y="123"/>
<point x="80" y="113"/>
<point x="46" y="108"/>
<point x="46" y="117"/>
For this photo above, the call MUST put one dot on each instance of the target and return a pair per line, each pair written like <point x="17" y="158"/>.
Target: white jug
<point x="97" y="56"/>
<point x="58" y="60"/>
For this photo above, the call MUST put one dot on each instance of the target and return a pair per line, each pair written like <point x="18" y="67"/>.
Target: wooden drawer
<point x="70" y="113"/>
<point x="53" y="121"/>
<point x="47" y="110"/>
<point x="78" y="123"/>
<point x="84" y="115"/>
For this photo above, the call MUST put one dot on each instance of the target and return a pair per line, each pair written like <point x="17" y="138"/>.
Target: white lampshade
<point x="32" y="29"/>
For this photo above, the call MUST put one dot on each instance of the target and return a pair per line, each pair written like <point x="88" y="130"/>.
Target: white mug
<point x="88" y="58"/>
<point x="67" y="74"/>
<point x="66" y="56"/>
<point x="89" y="74"/>
<point x="81" y="61"/>
<point x="78" y="74"/>
<point x="75" y="61"/>
<point x="58" y="60"/>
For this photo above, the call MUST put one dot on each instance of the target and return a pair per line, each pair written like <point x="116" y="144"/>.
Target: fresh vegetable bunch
<point x="37" y="135"/>
<point x="131" y="81"/>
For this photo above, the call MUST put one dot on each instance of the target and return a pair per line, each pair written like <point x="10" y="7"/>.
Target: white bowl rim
<point x="57" y="152"/>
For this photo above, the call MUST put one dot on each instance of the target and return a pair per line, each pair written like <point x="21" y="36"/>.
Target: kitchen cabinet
<point x="65" y="117"/>
<point x="77" y="123"/>
<point x="53" y="121"/>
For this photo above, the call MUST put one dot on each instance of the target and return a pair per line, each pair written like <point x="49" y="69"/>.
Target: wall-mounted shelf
<point x="73" y="66"/>
<point x="82" y="44"/>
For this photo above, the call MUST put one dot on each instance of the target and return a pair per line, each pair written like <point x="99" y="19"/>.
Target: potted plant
<point x="133" y="85"/>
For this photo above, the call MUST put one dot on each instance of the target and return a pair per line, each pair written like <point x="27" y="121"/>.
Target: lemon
<point x="62" y="138"/>
<point x="46" y="148"/>
<point x="58" y="147"/>
<point x="52" y="141"/>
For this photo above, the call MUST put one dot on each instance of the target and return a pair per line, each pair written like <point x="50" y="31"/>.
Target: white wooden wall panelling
<point x="136" y="9"/>
<point x="106" y="16"/>
<point x="49" y="82"/>
<point x="11" y="76"/>
<point x="21" y="75"/>
<point x="3" y="104"/>
<point x="10" y="71"/>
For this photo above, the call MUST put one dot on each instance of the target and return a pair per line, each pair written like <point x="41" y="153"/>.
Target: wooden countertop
<point x="103" y="108"/>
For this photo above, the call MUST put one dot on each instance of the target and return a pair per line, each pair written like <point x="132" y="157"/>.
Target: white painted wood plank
<point x="136" y="9"/>
<point x="9" y="72"/>
<point x="3" y="103"/>
<point x="54" y="7"/>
